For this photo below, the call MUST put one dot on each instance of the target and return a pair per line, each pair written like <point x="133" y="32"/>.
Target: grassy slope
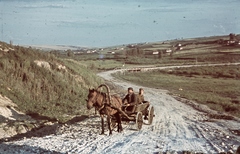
<point x="55" y="92"/>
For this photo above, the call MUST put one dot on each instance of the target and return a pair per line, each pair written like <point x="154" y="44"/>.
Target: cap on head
<point x="130" y="88"/>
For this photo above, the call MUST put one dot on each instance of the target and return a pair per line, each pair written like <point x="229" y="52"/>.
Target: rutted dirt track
<point x="177" y="127"/>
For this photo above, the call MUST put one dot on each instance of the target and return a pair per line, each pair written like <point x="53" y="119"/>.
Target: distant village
<point x="164" y="48"/>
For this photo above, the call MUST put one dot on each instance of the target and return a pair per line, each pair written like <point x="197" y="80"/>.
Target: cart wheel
<point x="139" y="120"/>
<point x="150" y="115"/>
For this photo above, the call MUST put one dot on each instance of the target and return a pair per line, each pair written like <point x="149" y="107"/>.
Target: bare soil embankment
<point x="12" y="121"/>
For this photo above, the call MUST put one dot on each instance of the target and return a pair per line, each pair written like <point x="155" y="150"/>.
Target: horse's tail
<point x="108" y="91"/>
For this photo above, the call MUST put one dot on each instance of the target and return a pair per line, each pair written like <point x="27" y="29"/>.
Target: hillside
<point x="43" y="86"/>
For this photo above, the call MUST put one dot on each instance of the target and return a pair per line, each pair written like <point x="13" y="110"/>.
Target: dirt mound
<point x="8" y="111"/>
<point x="12" y="122"/>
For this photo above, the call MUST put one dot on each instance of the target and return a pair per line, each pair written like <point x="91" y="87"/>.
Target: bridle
<point x="103" y="101"/>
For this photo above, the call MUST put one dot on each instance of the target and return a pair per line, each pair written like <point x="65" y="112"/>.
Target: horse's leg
<point x="109" y="124"/>
<point x="102" y="120"/>
<point x="119" y="121"/>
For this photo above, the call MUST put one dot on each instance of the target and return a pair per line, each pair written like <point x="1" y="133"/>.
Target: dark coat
<point x="131" y="99"/>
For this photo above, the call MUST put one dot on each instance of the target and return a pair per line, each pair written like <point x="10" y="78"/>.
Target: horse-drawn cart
<point x="137" y="114"/>
<point x="111" y="105"/>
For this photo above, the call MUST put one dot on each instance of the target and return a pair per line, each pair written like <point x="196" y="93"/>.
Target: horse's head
<point x="92" y="100"/>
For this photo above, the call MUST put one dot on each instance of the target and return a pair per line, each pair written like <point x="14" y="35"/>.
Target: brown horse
<point x="105" y="104"/>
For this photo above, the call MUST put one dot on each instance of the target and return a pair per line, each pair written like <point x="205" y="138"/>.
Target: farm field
<point x="215" y="86"/>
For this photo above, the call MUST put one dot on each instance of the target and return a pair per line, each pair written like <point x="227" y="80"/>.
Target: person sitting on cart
<point x="130" y="100"/>
<point x="142" y="101"/>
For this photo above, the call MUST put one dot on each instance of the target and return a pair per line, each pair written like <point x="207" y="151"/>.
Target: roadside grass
<point x="55" y="90"/>
<point x="103" y="65"/>
<point x="217" y="87"/>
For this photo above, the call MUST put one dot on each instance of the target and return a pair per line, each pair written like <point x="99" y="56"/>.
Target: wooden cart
<point x="137" y="115"/>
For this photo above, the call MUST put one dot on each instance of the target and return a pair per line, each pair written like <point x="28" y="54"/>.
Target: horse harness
<point x="103" y="102"/>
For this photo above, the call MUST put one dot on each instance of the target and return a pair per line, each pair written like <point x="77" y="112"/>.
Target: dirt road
<point x="177" y="127"/>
